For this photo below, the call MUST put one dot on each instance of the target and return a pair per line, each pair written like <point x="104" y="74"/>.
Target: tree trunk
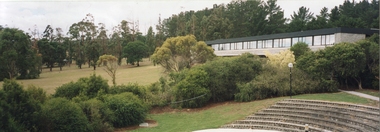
<point x="359" y="81"/>
<point x="51" y="67"/>
<point x="138" y="64"/>
<point x="60" y="68"/>
<point x="94" y="67"/>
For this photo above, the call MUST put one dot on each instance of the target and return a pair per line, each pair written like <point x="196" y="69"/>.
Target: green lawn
<point x="228" y="112"/>
<point x="145" y="74"/>
<point x="369" y="91"/>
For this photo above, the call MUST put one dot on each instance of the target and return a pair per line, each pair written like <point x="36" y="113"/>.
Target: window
<point x="233" y="46"/>
<point x="332" y="39"/>
<point x="253" y="45"/>
<point x="226" y="47"/>
<point x="308" y="40"/>
<point x="259" y="44"/>
<point x="239" y="45"/>
<point x="269" y="44"/>
<point x="323" y="40"/>
<point x="317" y="40"/>
<point x="286" y="42"/>
<point x="215" y="47"/>
<point x="276" y="43"/>
<point x="294" y="40"/>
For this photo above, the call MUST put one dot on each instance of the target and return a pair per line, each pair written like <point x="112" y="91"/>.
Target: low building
<point x="274" y="43"/>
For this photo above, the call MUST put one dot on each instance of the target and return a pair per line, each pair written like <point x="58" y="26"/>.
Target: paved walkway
<point x="362" y="95"/>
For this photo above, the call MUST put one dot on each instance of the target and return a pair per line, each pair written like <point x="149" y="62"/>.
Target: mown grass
<point x="223" y="114"/>
<point x="369" y="91"/>
<point x="49" y="81"/>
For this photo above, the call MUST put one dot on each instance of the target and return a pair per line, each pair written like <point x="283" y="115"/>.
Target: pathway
<point x="361" y="95"/>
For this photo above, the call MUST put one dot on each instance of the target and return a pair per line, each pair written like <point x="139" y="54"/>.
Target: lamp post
<point x="290" y="65"/>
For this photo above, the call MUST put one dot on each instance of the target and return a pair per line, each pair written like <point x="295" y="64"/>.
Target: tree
<point x="182" y="52"/>
<point x="17" y="57"/>
<point x="111" y="63"/>
<point x="347" y="61"/>
<point x="281" y="59"/>
<point x="134" y="52"/>
<point x="150" y="41"/>
<point x="299" y="49"/>
<point x="300" y="19"/>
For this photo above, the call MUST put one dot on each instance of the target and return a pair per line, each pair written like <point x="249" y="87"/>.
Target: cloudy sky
<point x="28" y="14"/>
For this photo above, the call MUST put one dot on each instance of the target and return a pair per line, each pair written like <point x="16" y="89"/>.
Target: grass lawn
<point x="145" y="74"/>
<point x="369" y="91"/>
<point x="228" y="112"/>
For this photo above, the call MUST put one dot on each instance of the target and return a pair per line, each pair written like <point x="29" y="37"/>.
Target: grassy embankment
<point x="144" y="75"/>
<point x="228" y="112"/>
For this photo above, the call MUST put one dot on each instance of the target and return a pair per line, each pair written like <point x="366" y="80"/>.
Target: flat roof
<point x="325" y="31"/>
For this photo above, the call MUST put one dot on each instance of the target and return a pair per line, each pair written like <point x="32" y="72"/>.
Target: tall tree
<point x="17" y="57"/>
<point x="182" y="52"/>
<point x="111" y="65"/>
<point x="274" y="18"/>
<point x="300" y="19"/>
<point x="135" y="52"/>
<point x="150" y="41"/>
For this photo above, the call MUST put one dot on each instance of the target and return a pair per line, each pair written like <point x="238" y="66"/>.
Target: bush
<point x="93" y="85"/>
<point x="159" y="93"/>
<point x="68" y="90"/>
<point x="191" y="92"/>
<point x="89" y="87"/>
<point x="225" y="73"/>
<point x="21" y="108"/>
<point x="37" y="94"/>
<point x="128" y="109"/>
<point x="131" y="87"/>
<point x="60" y="114"/>
<point x="98" y="115"/>
<point x="274" y="82"/>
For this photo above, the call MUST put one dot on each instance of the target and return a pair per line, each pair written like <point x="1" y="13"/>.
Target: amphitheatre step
<point x="370" y="112"/>
<point x="345" y="120"/>
<point x="338" y="104"/>
<point x="314" y="122"/>
<point x="287" y="127"/>
<point x="319" y="115"/>
<point x="356" y="115"/>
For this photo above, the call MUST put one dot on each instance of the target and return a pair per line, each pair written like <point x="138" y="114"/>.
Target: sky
<point x="27" y="15"/>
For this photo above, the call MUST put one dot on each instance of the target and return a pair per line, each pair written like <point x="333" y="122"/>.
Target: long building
<point x="274" y="43"/>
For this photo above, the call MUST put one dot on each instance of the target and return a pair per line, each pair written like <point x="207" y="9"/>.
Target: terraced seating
<point x="293" y="114"/>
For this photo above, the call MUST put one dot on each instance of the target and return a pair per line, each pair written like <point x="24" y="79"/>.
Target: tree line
<point x="86" y="41"/>
<point x="256" y="17"/>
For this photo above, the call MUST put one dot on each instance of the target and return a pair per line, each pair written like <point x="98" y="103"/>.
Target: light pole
<point x="290" y="65"/>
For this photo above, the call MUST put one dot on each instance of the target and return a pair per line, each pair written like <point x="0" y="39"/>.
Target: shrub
<point x="37" y="94"/>
<point x="131" y="87"/>
<point x="93" y="85"/>
<point x="68" y="90"/>
<point x="191" y="92"/>
<point x="21" y="108"/>
<point x="274" y="82"/>
<point x="60" y="114"/>
<point x="87" y="87"/>
<point x="225" y="73"/>
<point x="128" y="109"/>
<point x="98" y="115"/>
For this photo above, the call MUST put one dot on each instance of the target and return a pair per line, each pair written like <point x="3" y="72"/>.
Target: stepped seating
<point x="321" y="116"/>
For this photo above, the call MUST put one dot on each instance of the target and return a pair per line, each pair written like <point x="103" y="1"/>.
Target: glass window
<point x="233" y="46"/>
<point x="294" y="40"/>
<point x="317" y="41"/>
<point x="323" y="39"/>
<point x="259" y="44"/>
<point x="308" y="40"/>
<point x="239" y="45"/>
<point x="253" y="45"/>
<point x="286" y="42"/>
<point x="332" y="39"/>
<point x="226" y="47"/>
<point x="276" y="43"/>
<point x="269" y="43"/>
<point x="215" y="47"/>
<point x="245" y="45"/>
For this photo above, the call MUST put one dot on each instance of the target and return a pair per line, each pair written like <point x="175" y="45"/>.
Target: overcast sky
<point x="25" y="15"/>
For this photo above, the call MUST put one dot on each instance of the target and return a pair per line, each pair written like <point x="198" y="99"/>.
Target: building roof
<point x="297" y="34"/>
